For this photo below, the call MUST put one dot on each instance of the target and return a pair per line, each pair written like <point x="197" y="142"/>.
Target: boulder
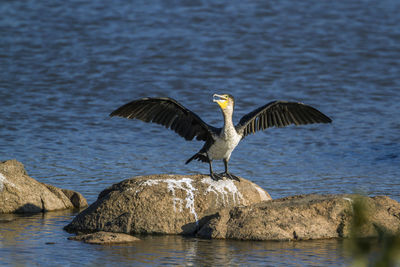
<point x="306" y="217"/>
<point x="164" y="204"/>
<point x="105" y="238"/>
<point x="20" y="193"/>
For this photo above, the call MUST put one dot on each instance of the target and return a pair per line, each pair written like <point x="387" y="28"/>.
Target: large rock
<point x="20" y="193"/>
<point x="306" y="217"/>
<point x="164" y="204"/>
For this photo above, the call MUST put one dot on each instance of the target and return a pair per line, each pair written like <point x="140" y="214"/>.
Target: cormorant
<point x="219" y="142"/>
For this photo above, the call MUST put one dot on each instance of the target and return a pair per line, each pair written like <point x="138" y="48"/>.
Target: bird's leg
<point x="227" y="174"/>
<point x="213" y="175"/>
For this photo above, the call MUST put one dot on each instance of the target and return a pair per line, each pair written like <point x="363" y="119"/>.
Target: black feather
<point x="169" y="113"/>
<point x="279" y="114"/>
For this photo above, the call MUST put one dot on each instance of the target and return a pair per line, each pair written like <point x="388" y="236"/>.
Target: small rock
<point x="104" y="238"/>
<point x="76" y="198"/>
<point x="20" y="193"/>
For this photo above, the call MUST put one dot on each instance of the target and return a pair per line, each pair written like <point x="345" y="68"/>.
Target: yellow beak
<point x="221" y="100"/>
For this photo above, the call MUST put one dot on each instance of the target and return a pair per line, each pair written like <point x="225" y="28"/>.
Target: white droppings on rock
<point x="262" y="193"/>
<point x="348" y="199"/>
<point x="145" y="183"/>
<point x="184" y="184"/>
<point x="151" y="182"/>
<point x="351" y="202"/>
<point x="3" y="181"/>
<point x="224" y="188"/>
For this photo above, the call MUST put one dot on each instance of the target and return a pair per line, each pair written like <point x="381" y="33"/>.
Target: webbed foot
<point x="216" y="177"/>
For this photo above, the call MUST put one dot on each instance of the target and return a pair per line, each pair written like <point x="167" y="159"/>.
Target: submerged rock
<point x="104" y="238"/>
<point x="20" y="193"/>
<point x="164" y="204"/>
<point x="306" y="217"/>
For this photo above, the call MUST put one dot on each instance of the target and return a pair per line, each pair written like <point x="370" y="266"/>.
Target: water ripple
<point x="67" y="64"/>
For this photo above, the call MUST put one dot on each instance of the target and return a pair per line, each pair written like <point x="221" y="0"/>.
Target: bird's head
<point x="224" y="101"/>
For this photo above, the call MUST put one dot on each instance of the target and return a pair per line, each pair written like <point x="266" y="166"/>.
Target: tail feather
<point x="199" y="157"/>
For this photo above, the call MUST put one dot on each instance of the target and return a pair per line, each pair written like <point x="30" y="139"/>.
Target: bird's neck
<point x="228" y="123"/>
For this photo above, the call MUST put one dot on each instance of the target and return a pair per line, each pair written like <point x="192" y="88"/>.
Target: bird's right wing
<point x="279" y="114"/>
<point x="169" y="113"/>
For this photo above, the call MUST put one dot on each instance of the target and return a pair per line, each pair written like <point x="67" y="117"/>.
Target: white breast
<point x="224" y="145"/>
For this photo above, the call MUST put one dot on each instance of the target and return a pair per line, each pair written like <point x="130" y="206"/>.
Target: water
<point x="35" y="240"/>
<point x="65" y="65"/>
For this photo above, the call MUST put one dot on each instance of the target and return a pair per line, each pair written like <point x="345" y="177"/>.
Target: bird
<point x="219" y="142"/>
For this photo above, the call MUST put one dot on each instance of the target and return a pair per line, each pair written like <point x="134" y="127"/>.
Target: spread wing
<point x="279" y="114"/>
<point x="169" y="113"/>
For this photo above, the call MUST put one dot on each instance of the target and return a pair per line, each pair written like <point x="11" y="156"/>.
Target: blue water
<point x="65" y="65"/>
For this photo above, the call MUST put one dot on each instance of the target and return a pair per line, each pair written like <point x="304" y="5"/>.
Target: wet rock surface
<point x="305" y="217"/>
<point x="164" y="204"/>
<point x="20" y="193"/>
<point x="105" y="238"/>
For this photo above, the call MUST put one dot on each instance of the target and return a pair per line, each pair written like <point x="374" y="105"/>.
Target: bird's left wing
<point x="169" y="113"/>
<point x="279" y="114"/>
